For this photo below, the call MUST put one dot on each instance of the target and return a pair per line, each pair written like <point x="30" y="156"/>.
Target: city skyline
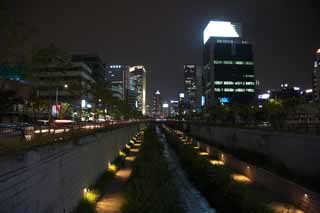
<point x="281" y="45"/>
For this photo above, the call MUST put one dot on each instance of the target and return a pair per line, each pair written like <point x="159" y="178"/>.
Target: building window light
<point x="249" y="83"/>
<point x="238" y="83"/>
<point x="227" y="62"/>
<point x="217" y="89"/>
<point x="239" y="62"/>
<point x="248" y="76"/>
<point x="250" y="90"/>
<point x="240" y="90"/>
<point x="218" y="82"/>
<point x="228" y="90"/>
<point x="228" y="83"/>
<point x="249" y="63"/>
<point x="217" y="62"/>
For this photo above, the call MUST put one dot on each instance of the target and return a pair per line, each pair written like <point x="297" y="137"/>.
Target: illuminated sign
<point x="203" y="100"/>
<point x="224" y="100"/>
<point x="220" y="29"/>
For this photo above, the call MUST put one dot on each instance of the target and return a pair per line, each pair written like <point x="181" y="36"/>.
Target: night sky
<point x="164" y="35"/>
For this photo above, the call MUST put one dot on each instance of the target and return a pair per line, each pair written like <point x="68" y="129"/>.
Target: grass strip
<point x="151" y="187"/>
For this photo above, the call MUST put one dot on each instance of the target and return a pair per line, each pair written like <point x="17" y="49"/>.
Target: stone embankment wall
<point x="51" y="178"/>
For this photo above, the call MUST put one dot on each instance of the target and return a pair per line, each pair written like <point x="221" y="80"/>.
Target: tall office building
<point x="228" y="71"/>
<point x="156" y="104"/>
<point x="316" y="77"/>
<point x="190" y="85"/>
<point x="117" y="78"/>
<point x="137" y="83"/>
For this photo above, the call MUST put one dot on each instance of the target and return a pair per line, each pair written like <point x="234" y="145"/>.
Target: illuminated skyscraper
<point x="137" y="83"/>
<point x="156" y="104"/>
<point x="228" y="72"/>
<point x="316" y="77"/>
<point x="190" y="85"/>
<point x="117" y="78"/>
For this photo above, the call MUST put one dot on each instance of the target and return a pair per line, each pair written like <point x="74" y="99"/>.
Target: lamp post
<point x="57" y="92"/>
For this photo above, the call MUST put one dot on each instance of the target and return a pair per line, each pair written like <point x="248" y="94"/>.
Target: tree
<point x="43" y="71"/>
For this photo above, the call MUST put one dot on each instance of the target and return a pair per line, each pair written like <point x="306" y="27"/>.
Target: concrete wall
<point x="51" y="178"/>
<point x="297" y="152"/>
<point x="301" y="197"/>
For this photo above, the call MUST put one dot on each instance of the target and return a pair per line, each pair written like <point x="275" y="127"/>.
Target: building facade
<point x="316" y="78"/>
<point x="156" y="104"/>
<point x="190" y="85"/>
<point x="117" y="80"/>
<point x="95" y="63"/>
<point x="228" y="72"/>
<point x="137" y="82"/>
<point x="71" y="85"/>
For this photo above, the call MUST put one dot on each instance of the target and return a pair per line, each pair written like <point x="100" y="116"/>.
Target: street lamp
<point x="57" y="92"/>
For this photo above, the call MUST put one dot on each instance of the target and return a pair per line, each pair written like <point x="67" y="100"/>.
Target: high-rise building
<point x="174" y="108"/>
<point x="165" y="110"/>
<point x="316" y="77"/>
<point x="228" y="71"/>
<point x="190" y="85"/>
<point x="137" y="83"/>
<point x="156" y="104"/>
<point x="117" y="78"/>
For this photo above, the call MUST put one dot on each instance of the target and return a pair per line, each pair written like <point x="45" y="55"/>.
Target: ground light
<point x="134" y="150"/>
<point x="204" y="153"/>
<point x="130" y="158"/>
<point x="240" y="178"/>
<point x="217" y="162"/>
<point x="90" y="196"/>
<point x="112" y="168"/>
<point x="122" y="154"/>
<point x="281" y="207"/>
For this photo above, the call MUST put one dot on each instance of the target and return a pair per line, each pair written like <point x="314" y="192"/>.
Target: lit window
<point x="218" y="82"/>
<point x="240" y="90"/>
<point x="248" y="76"/>
<point x="250" y="90"/>
<point x="228" y="83"/>
<point x="249" y="63"/>
<point x="238" y="83"/>
<point x="239" y="62"/>
<point x="217" y="62"/>
<point x="249" y="83"/>
<point x="227" y="62"/>
<point x="228" y="90"/>
<point x="217" y="89"/>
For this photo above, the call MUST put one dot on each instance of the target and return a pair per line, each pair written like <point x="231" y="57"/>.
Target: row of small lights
<point x="91" y="195"/>
<point x="221" y="162"/>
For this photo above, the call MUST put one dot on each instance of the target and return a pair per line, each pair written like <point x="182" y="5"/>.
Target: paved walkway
<point x="113" y="200"/>
<point x="190" y="198"/>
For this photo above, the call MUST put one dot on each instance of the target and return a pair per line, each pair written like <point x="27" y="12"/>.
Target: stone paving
<point x="190" y="198"/>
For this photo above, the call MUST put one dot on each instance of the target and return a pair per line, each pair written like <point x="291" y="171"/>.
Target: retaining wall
<point x="51" y="179"/>
<point x="297" y="152"/>
<point x="301" y="197"/>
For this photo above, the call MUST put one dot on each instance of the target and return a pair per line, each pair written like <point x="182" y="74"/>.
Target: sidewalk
<point x="113" y="200"/>
<point x="114" y="197"/>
